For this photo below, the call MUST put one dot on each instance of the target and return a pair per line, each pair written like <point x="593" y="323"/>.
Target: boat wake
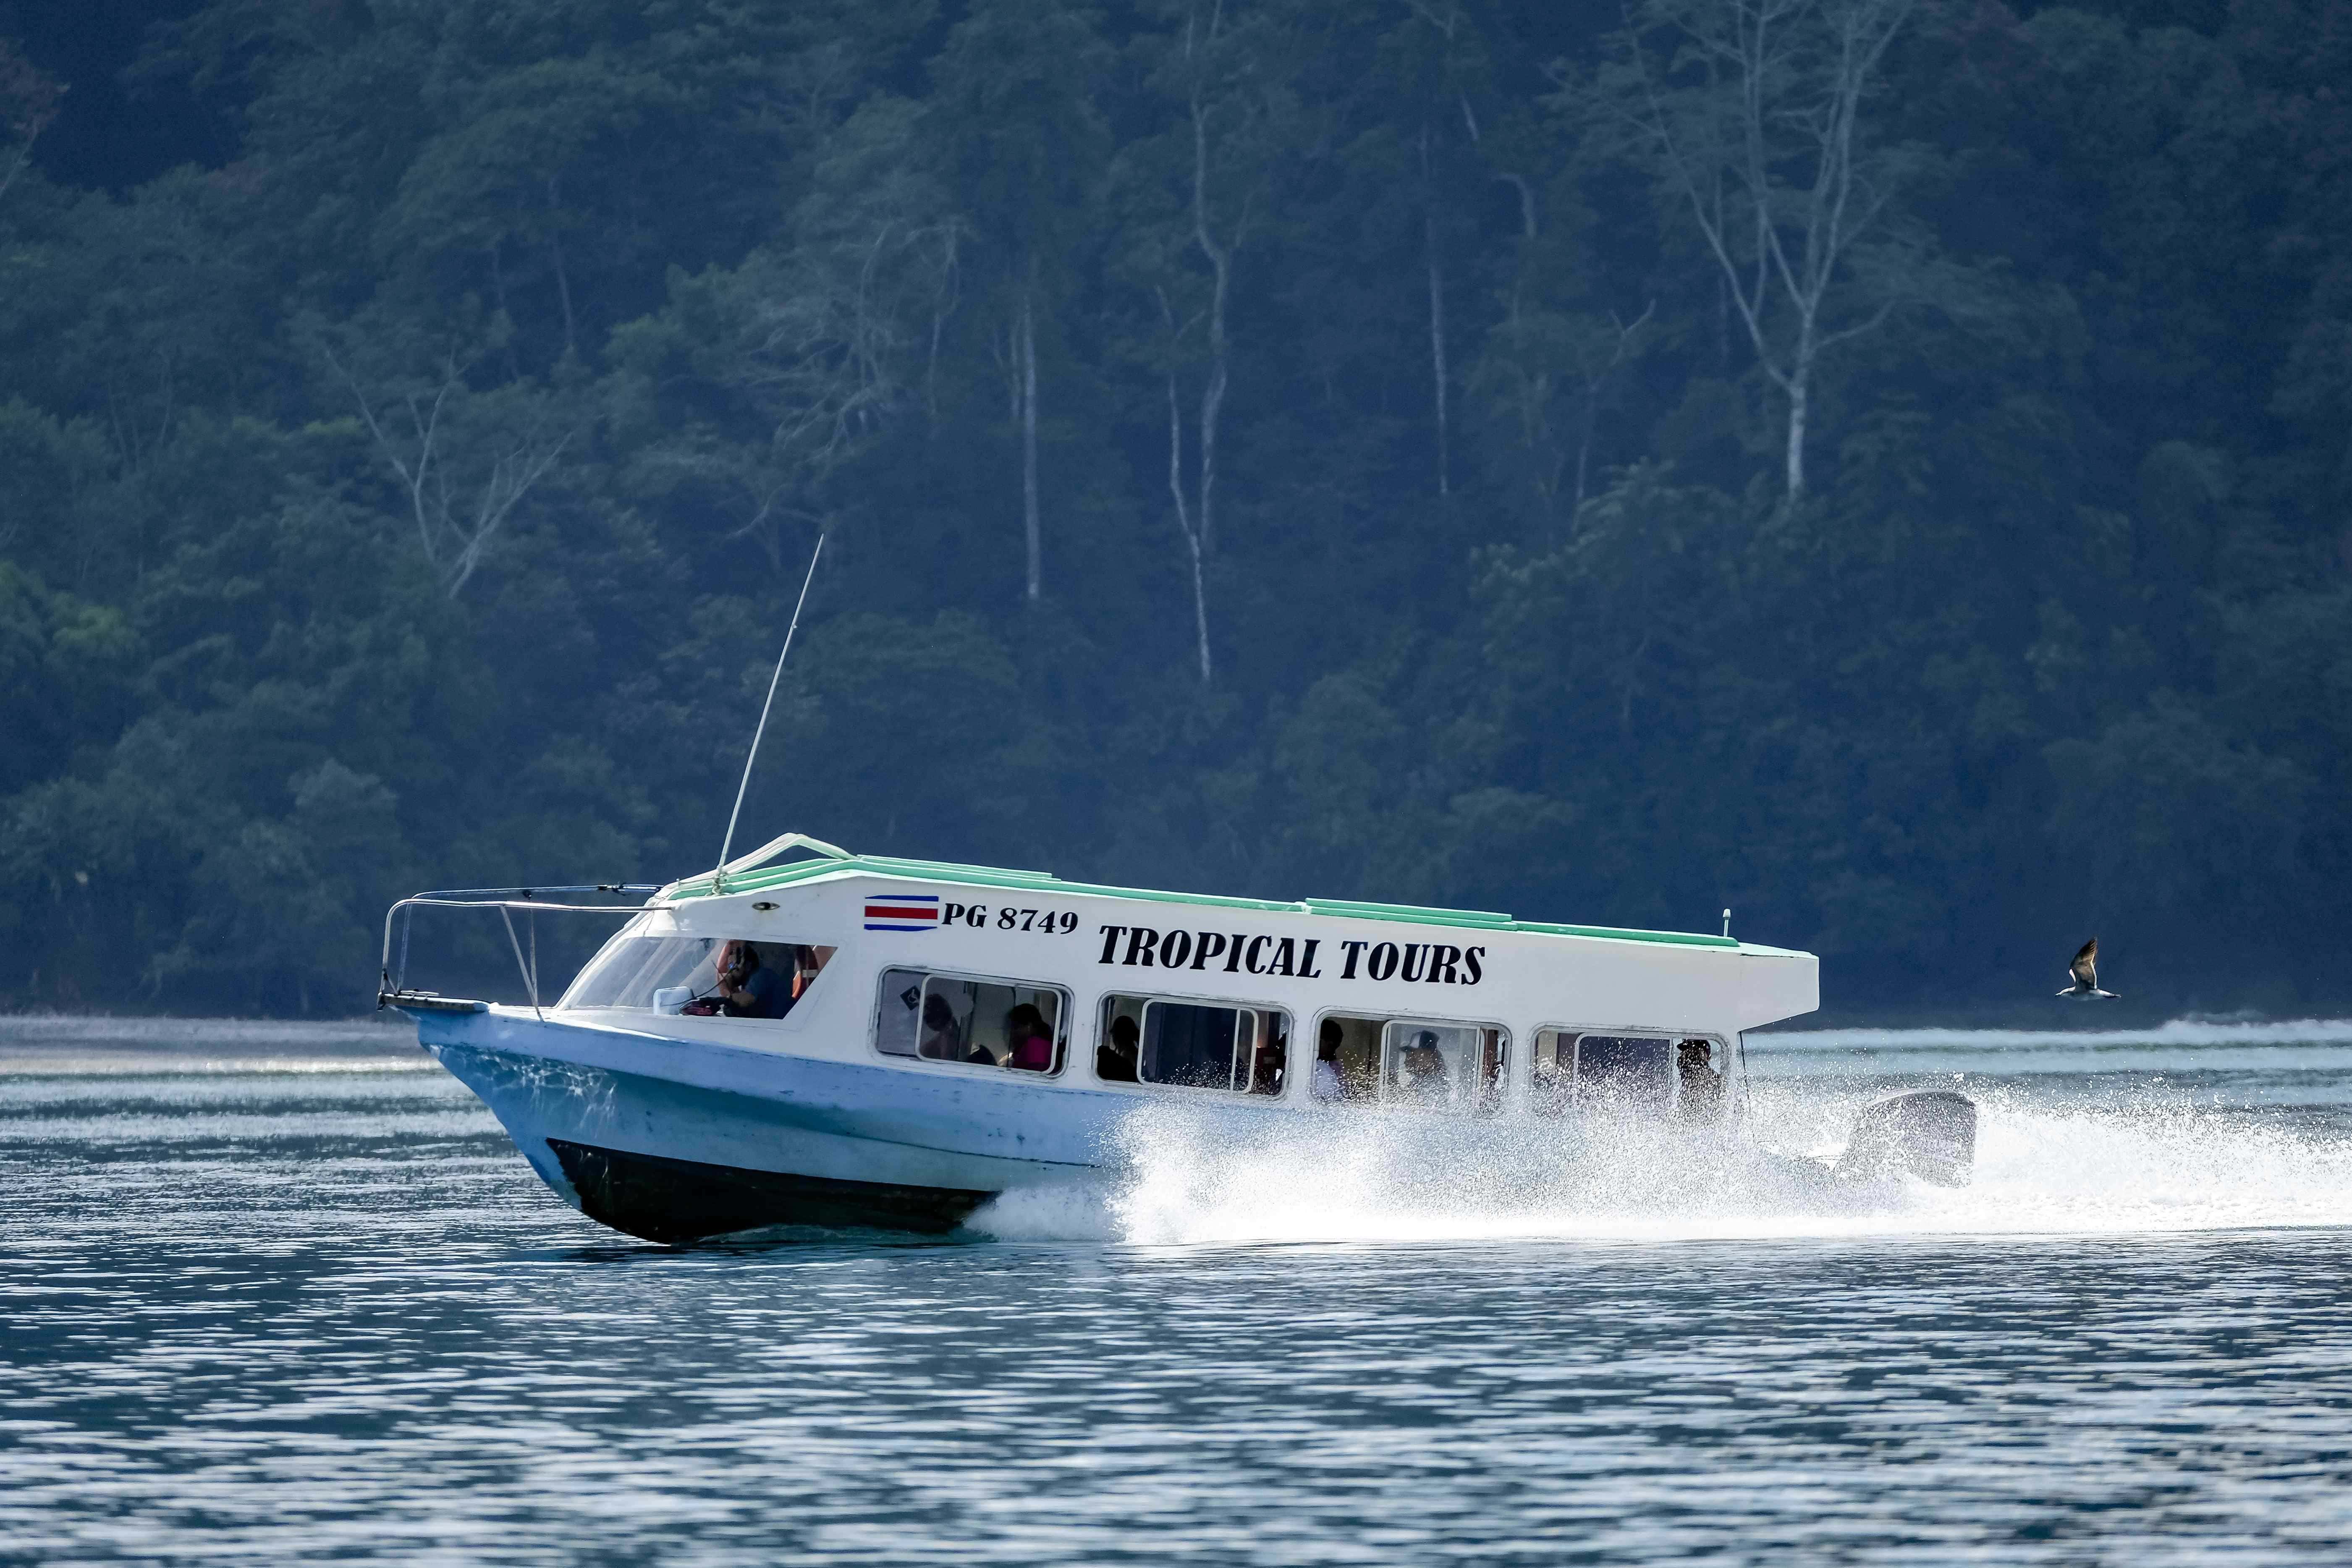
<point x="2117" y="1154"/>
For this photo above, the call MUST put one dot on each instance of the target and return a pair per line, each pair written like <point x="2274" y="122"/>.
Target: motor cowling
<point x="1931" y="1134"/>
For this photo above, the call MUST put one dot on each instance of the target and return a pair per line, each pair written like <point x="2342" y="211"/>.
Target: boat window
<point x="1603" y="1072"/>
<point x="1443" y="1067"/>
<point x="1623" y="1072"/>
<point x="1422" y="1062"/>
<point x="1006" y="1024"/>
<point x="1193" y="1045"/>
<point x="681" y="973"/>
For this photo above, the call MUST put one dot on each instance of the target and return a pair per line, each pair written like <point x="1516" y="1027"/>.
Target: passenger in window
<point x="804" y="973"/>
<point x="1115" y="1059"/>
<point x="942" y="1037"/>
<point x="1421" y="1070"/>
<point x="748" y="988"/>
<point x="1551" y="1081"/>
<point x="1033" y="1045"/>
<point x="1702" y="1086"/>
<point x="1490" y="1072"/>
<point x="1266" y="1067"/>
<point x="1325" y="1085"/>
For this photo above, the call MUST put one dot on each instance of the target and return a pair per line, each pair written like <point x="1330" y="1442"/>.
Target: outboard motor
<point x="1931" y="1134"/>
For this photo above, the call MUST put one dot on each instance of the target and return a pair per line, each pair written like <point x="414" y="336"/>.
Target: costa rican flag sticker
<point x="903" y="912"/>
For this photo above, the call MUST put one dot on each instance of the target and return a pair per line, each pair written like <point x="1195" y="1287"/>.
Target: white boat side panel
<point x="1517" y="980"/>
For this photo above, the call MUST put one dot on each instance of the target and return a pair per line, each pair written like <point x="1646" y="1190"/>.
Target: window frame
<point x="1503" y="1078"/>
<point x="1102" y="1038"/>
<point x="1059" y="1070"/>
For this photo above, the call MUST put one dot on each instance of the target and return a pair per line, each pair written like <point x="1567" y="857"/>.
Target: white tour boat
<point x="839" y="1039"/>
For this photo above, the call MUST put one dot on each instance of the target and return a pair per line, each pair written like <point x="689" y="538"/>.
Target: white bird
<point x="2085" y="972"/>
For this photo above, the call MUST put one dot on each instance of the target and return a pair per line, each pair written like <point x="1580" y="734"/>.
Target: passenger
<point x="1490" y="1073"/>
<point x="747" y="989"/>
<point x="1549" y="1085"/>
<point x="1324" y="1084"/>
<point x="1266" y="1067"/>
<point x="803" y="974"/>
<point x="1421" y="1070"/>
<point x="1032" y="1044"/>
<point x="1115" y="1059"/>
<point x="942" y="1037"/>
<point x="1702" y="1086"/>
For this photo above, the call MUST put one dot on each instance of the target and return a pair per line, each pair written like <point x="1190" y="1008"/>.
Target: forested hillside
<point x="1881" y="465"/>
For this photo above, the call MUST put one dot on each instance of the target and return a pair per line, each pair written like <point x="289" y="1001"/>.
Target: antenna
<point x="1726" y="923"/>
<point x="718" y="877"/>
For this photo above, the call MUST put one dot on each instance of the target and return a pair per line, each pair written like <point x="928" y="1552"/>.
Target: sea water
<point x="272" y="1293"/>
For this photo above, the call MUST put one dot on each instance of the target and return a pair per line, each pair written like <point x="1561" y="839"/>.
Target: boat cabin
<point x="1017" y="976"/>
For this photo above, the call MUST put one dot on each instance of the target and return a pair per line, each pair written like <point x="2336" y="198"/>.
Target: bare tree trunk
<point x="1436" y="314"/>
<point x="1028" y="351"/>
<point x="1221" y="266"/>
<point x="1798" y="396"/>
<point x="1212" y="403"/>
<point x="24" y="155"/>
<point x="1185" y="522"/>
<point x="1197" y="519"/>
<point x="35" y="98"/>
<point x="1527" y="201"/>
<point x="498" y="289"/>
<point x="943" y="304"/>
<point x="1594" y="382"/>
<point x="563" y="291"/>
<point x="1584" y="452"/>
<point x="562" y="281"/>
<point x="1437" y="361"/>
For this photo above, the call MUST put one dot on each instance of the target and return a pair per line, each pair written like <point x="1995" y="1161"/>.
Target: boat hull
<point x="678" y="1201"/>
<point x="679" y="1141"/>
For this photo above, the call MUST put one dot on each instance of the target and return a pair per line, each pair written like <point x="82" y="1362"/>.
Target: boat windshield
<point x="676" y="973"/>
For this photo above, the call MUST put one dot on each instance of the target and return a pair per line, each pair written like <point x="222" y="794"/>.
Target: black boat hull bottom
<point x="679" y="1201"/>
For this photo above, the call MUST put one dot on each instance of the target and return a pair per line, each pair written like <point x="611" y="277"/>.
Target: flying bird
<point x="2085" y="973"/>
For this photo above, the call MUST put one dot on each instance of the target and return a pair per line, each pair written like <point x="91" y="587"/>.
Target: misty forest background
<point x="1332" y="448"/>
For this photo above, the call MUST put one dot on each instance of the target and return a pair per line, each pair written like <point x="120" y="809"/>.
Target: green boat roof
<point x="830" y="861"/>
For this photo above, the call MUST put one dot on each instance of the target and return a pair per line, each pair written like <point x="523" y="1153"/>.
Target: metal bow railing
<point x="391" y="985"/>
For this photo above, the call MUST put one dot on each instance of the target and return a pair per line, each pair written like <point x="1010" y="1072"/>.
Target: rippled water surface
<point x="276" y="1293"/>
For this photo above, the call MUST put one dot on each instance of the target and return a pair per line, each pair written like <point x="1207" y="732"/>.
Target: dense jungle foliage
<point x="1880" y="465"/>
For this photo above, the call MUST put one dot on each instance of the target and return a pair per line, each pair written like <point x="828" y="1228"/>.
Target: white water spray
<point x="2250" y="1127"/>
